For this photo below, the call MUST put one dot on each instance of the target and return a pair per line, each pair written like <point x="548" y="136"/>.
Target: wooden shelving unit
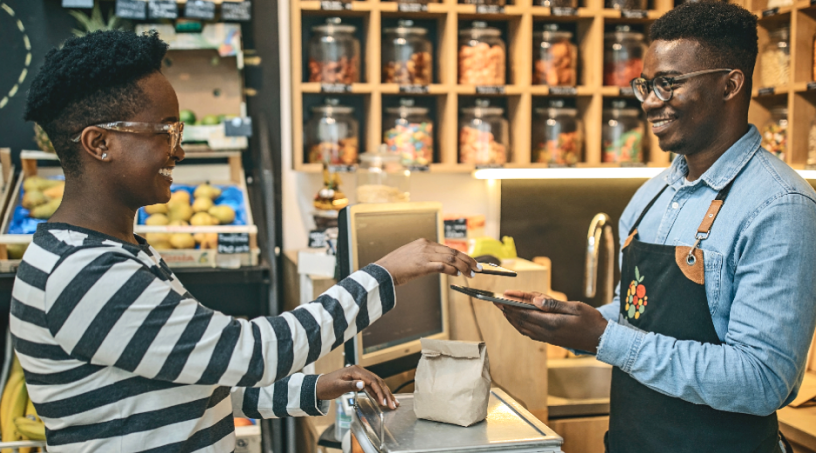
<point x="517" y="23"/>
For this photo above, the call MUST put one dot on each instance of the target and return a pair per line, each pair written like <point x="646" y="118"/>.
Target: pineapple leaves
<point x="95" y="22"/>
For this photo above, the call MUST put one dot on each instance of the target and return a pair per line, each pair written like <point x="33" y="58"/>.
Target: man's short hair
<point x="91" y="80"/>
<point x="726" y="32"/>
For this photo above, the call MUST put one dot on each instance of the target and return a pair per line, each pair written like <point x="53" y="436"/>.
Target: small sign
<point x="490" y="90"/>
<point x="334" y="5"/>
<point x="162" y="9"/>
<point x="811" y="86"/>
<point x="456" y="229"/>
<point x="563" y="91"/>
<point x="236" y="11"/>
<point x="627" y="91"/>
<point x="238" y="127"/>
<point x="199" y="9"/>
<point x="766" y="91"/>
<point x="489" y="9"/>
<point x="131" y="9"/>
<point x="418" y="168"/>
<point x="317" y="239"/>
<point x="633" y="164"/>
<point x="488" y="166"/>
<point x="337" y="168"/>
<point x="412" y="8"/>
<point x="414" y="89"/>
<point x="335" y="88"/>
<point x="771" y="12"/>
<point x="634" y="14"/>
<point x="233" y="243"/>
<point x="77" y="3"/>
<point x="564" y="11"/>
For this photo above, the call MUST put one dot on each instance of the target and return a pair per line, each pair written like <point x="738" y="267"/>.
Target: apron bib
<point x="662" y="291"/>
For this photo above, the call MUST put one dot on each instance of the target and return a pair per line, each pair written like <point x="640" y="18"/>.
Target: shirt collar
<point x="725" y="168"/>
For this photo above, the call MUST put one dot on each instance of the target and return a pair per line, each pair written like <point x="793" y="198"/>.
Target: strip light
<point x="585" y="173"/>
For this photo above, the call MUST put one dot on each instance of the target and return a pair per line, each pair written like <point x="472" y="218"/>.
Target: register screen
<point x="418" y="312"/>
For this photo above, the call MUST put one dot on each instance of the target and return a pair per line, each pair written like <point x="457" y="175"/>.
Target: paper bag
<point x="452" y="382"/>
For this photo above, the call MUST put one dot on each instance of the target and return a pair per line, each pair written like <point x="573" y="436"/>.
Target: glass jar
<point x="408" y="133"/>
<point x="381" y="178"/>
<point x="331" y="134"/>
<point x="622" y="133"/>
<point x="775" y="132"/>
<point x="481" y="55"/>
<point x="555" y="57"/>
<point x="623" y="56"/>
<point x="775" y="68"/>
<point x="557" y="135"/>
<point x="334" y="53"/>
<point x="558" y="3"/>
<point x="626" y="4"/>
<point x="407" y="55"/>
<point x="483" y="135"/>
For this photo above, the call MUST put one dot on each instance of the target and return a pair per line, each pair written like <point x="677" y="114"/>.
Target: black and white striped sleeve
<point x="295" y="395"/>
<point x="109" y="309"/>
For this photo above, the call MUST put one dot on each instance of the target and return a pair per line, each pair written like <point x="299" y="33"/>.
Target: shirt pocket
<point x="713" y="278"/>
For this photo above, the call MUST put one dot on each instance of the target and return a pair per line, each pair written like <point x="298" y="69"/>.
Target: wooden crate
<point x="231" y="173"/>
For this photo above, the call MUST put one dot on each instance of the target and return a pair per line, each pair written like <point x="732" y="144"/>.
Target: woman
<point x="118" y="356"/>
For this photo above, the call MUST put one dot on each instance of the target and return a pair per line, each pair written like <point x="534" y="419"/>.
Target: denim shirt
<point x="759" y="281"/>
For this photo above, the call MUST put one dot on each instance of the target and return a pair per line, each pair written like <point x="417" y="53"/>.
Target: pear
<point x="182" y="241"/>
<point x="16" y="250"/>
<point x="55" y="192"/>
<point x="202" y="204"/>
<point x="36" y="183"/>
<point x="205" y="190"/>
<point x="162" y="245"/>
<point x="223" y="213"/>
<point x="180" y="196"/>
<point x="180" y="212"/>
<point x="157" y="219"/>
<point x="178" y="223"/>
<point x="33" y="199"/>
<point x="203" y="219"/>
<point x="207" y="240"/>
<point x="157" y="208"/>
<point x="46" y="210"/>
<point x="155" y="238"/>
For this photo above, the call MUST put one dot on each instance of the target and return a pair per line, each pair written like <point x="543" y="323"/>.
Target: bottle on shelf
<point x="622" y="134"/>
<point x="483" y="135"/>
<point x="334" y="53"/>
<point x="482" y="55"/>
<point x="623" y="56"/>
<point x="331" y="134"/>
<point x="408" y="133"/>
<point x="407" y="55"/>
<point x="557" y="134"/>
<point x="555" y="57"/>
<point x="775" y="132"/>
<point x="775" y="60"/>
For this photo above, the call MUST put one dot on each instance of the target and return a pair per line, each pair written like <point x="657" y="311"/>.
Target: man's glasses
<point x="174" y="130"/>
<point x="663" y="87"/>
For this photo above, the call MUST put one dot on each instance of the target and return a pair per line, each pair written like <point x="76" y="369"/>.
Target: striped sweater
<point x="118" y="356"/>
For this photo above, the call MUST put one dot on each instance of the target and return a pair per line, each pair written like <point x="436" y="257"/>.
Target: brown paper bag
<point x="452" y="382"/>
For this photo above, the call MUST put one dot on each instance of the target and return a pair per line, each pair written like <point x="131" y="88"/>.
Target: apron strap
<point x="645" y="210"/>
<point x="708" y="221"/>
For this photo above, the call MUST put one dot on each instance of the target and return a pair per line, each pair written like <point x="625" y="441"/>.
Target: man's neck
<point x="89" y="208"/>
<point x="699" y="162"/>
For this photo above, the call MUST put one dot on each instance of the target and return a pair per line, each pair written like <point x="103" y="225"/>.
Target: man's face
<point x="692" y="117"/>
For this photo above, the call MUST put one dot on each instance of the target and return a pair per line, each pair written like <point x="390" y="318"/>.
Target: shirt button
<point x="675" y="205"/>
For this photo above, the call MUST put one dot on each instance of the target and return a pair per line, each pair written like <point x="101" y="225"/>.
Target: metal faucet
<point x="600" y="225"/>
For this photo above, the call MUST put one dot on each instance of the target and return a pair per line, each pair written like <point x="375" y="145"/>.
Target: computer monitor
<point x="367" y="233"/>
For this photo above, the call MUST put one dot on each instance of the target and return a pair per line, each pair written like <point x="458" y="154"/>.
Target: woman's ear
<point x="734" y="85"/>
<point x="95" y="142"/>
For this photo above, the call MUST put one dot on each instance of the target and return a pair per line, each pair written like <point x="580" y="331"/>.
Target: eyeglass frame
<point x="671" y="80"/>
<point x="175" y="130"/>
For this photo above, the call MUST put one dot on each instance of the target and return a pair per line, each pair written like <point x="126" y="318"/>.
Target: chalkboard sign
<point x="238" y="127"/>
<point x="563" y="91"/>
<point x="131" y="9"/>
<point x="634" y="14"/>
<point x="770" y="12"/>
<point x="414" y="89"/>
<point x="766" y="91"/>
<point x="564" y="11"/>
<point x="335" y="88"/>
<point x="317" y="239"/>
<point x="490" y="90"/>
<point x="456" y="229"/>
<point x="236" y="11"/>
<point x="163" y="9"/>
<point x="199" y="9"/>
<point x="77" y="3"/>
<point x="233" y="243"/>
<point x="489" y="9"/>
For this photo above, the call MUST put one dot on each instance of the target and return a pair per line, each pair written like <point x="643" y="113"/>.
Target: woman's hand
<point x="354" y="379"/>
<point x="569" y="324"/>
<point x="422" y="257"/>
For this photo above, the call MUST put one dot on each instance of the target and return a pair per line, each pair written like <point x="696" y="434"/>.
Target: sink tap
<point x="600" y="225"/>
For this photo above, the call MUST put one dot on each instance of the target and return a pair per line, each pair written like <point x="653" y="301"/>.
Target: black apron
<point x="662" y="291"/>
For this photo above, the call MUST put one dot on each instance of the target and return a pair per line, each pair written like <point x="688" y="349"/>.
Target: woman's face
<point x="142" y="164"/>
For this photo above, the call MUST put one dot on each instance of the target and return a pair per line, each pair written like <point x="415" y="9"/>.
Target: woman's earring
<point x="104" y="155"/>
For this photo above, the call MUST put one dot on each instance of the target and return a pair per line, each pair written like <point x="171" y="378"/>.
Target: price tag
<point x="488" y="166"/>
<point x="564" y="11"/>
<point x="162" y="9"/>
<point x="489" y="9"/>
<point x="634" y="14"/>
<point x="233" y="243"/>
<point x="336" y="168"/>
<point x="412" y="8"/>
<point x="490" y="90"/>
<point x="456" y="229"/>
<point x="236" y="11"/>
<point x="335" y="88"/>
<point x="317" y="239"/>
<point x="414" y="89"/>
<point x="131" y="9"/>
<point x="199" y="9"/>
<point x="627" y="91"/>
<point x="334" y="5"/>
<point x="632" y="164"/>
<point x="771" y="12"/>
<point x="418" y="168"/>
<point x="77" y="3"/>
<point x="811" y="86"/>
<point x="238" y="127"/>
<point x="766" y="91"/>
<point x="563" y="91"/>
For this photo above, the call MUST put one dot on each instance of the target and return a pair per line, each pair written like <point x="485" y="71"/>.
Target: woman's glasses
<point x="663" y="87"/>
<point x="174" y="130"/>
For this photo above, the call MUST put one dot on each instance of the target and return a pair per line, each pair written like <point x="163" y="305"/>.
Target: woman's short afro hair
<point x="89" y="80"/>
<point x="727" y="33"/>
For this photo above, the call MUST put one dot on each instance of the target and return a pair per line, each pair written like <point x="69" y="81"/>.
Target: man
<point x="117" y="355"/>
<point x="710" y="328"/>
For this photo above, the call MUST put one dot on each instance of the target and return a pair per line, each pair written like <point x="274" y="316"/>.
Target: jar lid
<point x="780" y="111"/>
<point x="556" y="111"/>
<point x="333" y="25"/>
<point x="623" y="32"/>
<point x="480" y="28"/>
<point x="332" y="105"/>
<point x="406" y="27"/>
<point x="552" y="35"/>
<point x="406" y="107"/>
<point x="378" y="158"/>
<point x="482" y="108"/>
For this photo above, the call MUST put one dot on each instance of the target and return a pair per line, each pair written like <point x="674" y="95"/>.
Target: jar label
<point x="563" y="91"/>
<point x="489" y="9"/>
<point x="490" y="89"/>
<point x="335" y="88"/>
<point x="627" y="91"/>
<point x="338" y="168"/>
<point x="236" y="11"/>
<point x="772" y="11"/>
<point x="317" y="239"/>
<point x="131" y="9"/>
<point x="564" y="11"/>
<point x="811" y="86"/>
<point x="162" y="9"/>
<point x="634" y="13"/>
<point x="334" y="5"/>
<point x="456" y="229"/>
<point x="414" y="89"/>
<point x="766" y="91"/>
<point x="412" y="8"/>
<point x="199" y="9"/>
